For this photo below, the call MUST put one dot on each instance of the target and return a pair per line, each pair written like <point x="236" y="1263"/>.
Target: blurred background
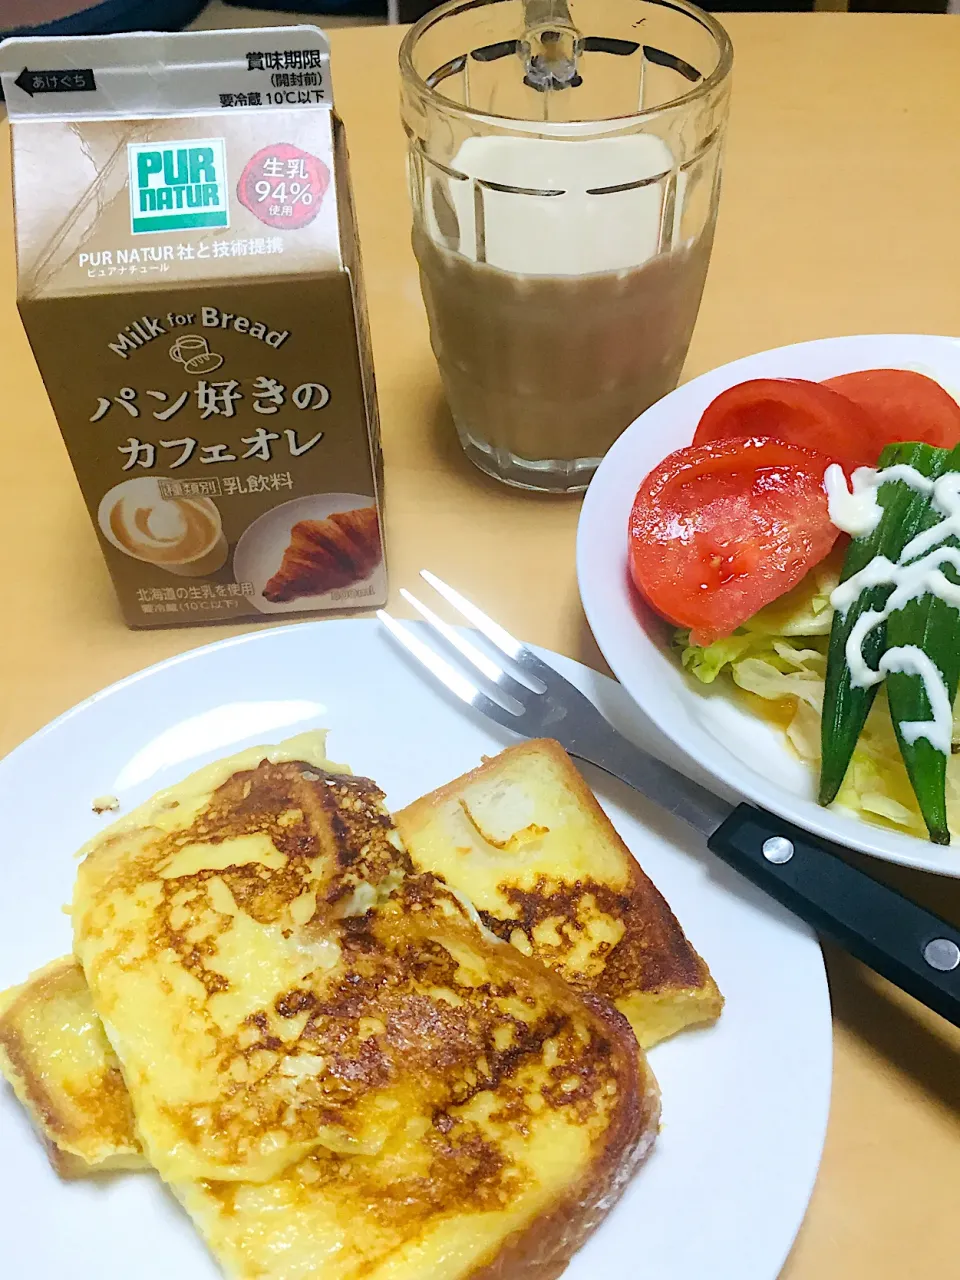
<point x="80" y="17"/>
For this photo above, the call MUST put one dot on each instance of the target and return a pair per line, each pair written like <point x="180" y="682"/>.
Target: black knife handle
<point x="896" y="937"/>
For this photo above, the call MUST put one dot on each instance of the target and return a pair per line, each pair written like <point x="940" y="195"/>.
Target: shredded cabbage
<point x="804" y="611"/>
<point x="780" y="657"/>
<point x="770" y="667"/>
<point x="707" y="662"/>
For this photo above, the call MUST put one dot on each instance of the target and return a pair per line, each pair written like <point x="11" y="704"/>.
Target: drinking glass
<point x="564" y="164"/>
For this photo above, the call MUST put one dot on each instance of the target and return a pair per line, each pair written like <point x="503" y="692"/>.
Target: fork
<point x="899" y="939"/>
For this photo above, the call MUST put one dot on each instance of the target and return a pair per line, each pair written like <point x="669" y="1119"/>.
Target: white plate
<point x="262" y="544"/>
<point x="744" y="1103"/>
<point x="718" y="737"/>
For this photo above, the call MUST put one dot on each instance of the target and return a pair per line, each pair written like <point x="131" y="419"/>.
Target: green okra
<point x="845" y="705"/>
<point x="933" y="625"/>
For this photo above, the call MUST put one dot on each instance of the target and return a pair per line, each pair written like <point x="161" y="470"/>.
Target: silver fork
<point x="901" y="940"/>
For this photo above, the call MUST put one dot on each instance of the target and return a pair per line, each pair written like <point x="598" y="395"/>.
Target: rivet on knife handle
<point x="912" y="947"/>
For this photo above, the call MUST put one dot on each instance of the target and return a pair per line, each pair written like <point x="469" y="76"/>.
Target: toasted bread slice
<point x="524" y="839"/>
<point x="520" y="1108"/>
<point x="205" y="921"/>
<point x="540" y="1132"/>
<point x="380" y="1042"/>
<point x="54" y="1053"/>
<point x="543" y="1109"/>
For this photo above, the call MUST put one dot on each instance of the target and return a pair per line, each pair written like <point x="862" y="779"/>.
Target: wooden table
<point x="838" y="216"/>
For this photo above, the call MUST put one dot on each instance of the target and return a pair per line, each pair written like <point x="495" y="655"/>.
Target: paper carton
<point x="189" y="280"/>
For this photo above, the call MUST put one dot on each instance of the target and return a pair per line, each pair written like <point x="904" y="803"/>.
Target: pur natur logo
<point x="178" y="186"/>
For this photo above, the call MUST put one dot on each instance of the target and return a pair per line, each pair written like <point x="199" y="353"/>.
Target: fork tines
<point x="516" y="695"/>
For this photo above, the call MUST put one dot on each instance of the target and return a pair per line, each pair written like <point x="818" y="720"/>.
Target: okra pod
<point x="932" y="625"/>
<point x="846" y="705"/>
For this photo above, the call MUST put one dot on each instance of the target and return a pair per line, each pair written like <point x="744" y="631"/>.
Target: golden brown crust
<point x="284" y="1070"/>
<point x="544" y="1249"/>
<point x="406" y="1008"/>
<point x="83" y="1117"/>
<point x="651" y="959"/>
<point x="304" y="811"/>
<point x="523" y="1101"/>
<point x="571" y="1054"/>
<point x="469" y="1160"/>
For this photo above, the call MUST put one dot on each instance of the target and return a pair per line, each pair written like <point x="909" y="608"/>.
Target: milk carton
<point x="189" y="280"/>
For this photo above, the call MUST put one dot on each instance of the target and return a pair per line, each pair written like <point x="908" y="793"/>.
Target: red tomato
<point x="903" y="405"/>
<point x="809" y="414"/>
<point x="719" y="530"/>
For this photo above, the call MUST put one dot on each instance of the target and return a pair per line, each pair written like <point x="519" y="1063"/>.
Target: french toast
<point x="523" y="838"/>
<point x="384" y="1089"/>
<point x="507" y="1181"/>
<point x="198" y="919"/>
<point x="55" y="1055"/>
<point x="546" y="1111"/>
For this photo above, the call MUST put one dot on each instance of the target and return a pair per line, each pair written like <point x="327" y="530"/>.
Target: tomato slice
<point x="809" y="414"/>
<point x="903" y="405"/>
<point x="719" y="530"/>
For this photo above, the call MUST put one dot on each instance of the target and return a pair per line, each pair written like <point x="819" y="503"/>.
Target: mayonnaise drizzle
<point x="856" y="510"/>
<point x="918" y="572"/>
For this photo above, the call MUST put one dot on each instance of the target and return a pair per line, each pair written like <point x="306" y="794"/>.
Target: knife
<point x="896" y="937"/>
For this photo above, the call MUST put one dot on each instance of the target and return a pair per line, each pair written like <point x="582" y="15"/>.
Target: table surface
<point x="838" y="216"/>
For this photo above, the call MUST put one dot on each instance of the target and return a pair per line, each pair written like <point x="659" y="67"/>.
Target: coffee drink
<point x="554" y="367"/>
<point x="562" y="281"/>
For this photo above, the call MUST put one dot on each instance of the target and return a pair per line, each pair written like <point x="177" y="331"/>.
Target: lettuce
<point x="804" y="611"/>
<point x="803" y="732"/>
<point x="780" y="656"/>
<point x="767" y="666"/>
<point x="707" y="662"/>
<point x="765" y="675"/>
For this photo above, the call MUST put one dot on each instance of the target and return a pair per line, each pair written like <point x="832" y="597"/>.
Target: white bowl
<point x="722" y="739"/>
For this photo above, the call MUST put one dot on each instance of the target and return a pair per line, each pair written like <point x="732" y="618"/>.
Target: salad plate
<point x="707" y="728"/>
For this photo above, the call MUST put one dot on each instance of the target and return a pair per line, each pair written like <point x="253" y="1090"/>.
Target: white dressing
<point x="855" y="510"/>
<point x="912" y="661"/>
<point x="918" y="572"/>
